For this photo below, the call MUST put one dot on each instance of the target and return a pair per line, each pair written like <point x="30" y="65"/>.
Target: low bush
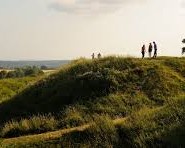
<point x="71" y="117"/>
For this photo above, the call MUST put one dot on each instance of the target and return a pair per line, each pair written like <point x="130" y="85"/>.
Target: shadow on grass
<point x="51" y="95"/>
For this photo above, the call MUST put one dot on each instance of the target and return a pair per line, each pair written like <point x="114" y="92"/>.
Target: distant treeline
<point x="21" y="72"/>
<point x="50" y="64"/>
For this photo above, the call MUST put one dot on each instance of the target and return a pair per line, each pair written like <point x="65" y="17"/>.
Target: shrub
<point x="11" y="74"/>
<point x="3" y="74"/>
<point x="71" y="117"/>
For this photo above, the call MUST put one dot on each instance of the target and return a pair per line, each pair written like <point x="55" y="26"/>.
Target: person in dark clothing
<point x="143" y="50"/>
<point x="99" y="55"/>
<point x="93" y="56"/>
<point x="150" y="50"/>
<point x="183" y="50"/>
<point x="155" y="50"/>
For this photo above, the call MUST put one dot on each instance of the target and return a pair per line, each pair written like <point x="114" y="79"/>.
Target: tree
<point x="32" y="71"/>
<point x="11" y="74"/>
<point x="19" y="72"/>
<point x="43" y="67"/>
<point x="3" y="74"/>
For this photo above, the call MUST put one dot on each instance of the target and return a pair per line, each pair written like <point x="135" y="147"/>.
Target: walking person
<point x="150" y="50"/>
<point x="155" y="50"/>
<point x="143" y="50"/>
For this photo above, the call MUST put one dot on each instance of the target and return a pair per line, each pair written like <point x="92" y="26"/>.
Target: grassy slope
<point x="11" y="87"/>
<point x="161" y="126"/>
<point x="117" y="87"/>
<point x="52" y="135"/>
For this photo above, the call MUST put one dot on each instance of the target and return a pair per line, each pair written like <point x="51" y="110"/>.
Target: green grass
<point x="161" y="127"/>
<point x="150" y="127"/>
<point x="11" y="87"/>
<point x="150" y="93"/>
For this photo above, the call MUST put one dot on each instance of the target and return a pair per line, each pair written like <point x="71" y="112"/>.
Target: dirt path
<point x="49" y="135"/>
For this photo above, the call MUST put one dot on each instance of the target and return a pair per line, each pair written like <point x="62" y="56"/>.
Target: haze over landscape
<point x="67" y="29"/>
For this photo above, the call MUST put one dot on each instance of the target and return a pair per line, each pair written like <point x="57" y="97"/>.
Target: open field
<point x="7" y="70"/>
<point x="45" y="71"/>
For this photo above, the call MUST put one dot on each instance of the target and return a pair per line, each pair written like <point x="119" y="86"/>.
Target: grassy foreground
<point x="148" y="94"/>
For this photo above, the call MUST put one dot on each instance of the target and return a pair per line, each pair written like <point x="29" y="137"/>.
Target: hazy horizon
<point x="68" y="29"/>
<point x="87" y="57"/>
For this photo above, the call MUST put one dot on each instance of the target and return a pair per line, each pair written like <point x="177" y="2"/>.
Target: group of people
<point x="150" y="49"/>
<point x="98" y="56"/>
<point x="143" y="51"/>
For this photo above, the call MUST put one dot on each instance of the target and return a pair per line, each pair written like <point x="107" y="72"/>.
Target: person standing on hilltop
<point x="155" y="50"/>
<point x="99" y="55"/>
<point x="143" y="50"/>
<point x="150" y="50"/>
<point x="93" y="56"/>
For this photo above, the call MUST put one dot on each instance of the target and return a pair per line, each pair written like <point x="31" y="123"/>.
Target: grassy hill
<point x="148" y="94"/>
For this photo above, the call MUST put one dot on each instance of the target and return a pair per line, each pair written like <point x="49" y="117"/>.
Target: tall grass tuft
<point x="35" y="124"/>
<point x="103" y="132"/>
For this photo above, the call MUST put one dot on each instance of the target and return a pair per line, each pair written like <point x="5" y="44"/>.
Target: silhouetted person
<point x="183" y="50"/>
<point x="150" y="50"/>
<point x="143" y="50"/>
<point x="93" y="56"/>
<point x="155" y="50"/>
<point x="99" y="55"/>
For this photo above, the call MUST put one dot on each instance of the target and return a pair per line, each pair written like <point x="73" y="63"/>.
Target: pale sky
<point x="68" y="29"/>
